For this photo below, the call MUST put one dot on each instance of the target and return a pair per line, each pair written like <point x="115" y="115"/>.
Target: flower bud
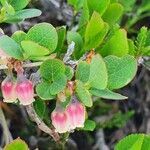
<point x="24" y="90"/>
<point x="8" y="90"/>
<point x="76" y="114"/>
<point x="60" y="120"/>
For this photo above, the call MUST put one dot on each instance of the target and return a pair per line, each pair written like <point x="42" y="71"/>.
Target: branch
<point x="70" y="51"/>
<point x="67" y="58"/>
<point x="41" y="125"/>
<point x="29" y="65"/>
<point x="6" y="132"/>
<point x="100" y="142"/>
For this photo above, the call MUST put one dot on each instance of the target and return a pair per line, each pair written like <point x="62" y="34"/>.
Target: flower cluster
<point x="22" y="89"/>
<point x="70" y="118"/>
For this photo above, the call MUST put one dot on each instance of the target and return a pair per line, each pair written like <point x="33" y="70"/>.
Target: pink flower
<point x="8" y="90"/>
<point x="76" y="114"/>
<point x="24" y="90"/>
<point x="60" y="120"/>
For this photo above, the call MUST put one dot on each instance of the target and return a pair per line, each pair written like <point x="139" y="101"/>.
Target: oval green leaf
<point x="93" y="32"/>
<point x="22" y="15"/>
<point x="99" y="6"/>
<point x="89" y="125"/>
<point x="98" y="73"/>
<point x="134" y="142"/>
<point x="43" y="91"/>
<point x="10" y="47"/>
<point x="117" y="45"/>
<point x="18" y="4"/>
<point x="77" y="39"/>
<point x="19" y="36"/>
<point x="107" y="94"/>
<point x="83" y="94"/>
<point x="16" y="144"/>
<point x="51" y="69"/>
<point x="45" y="35"/>
<point x="83" y="71"/>
<point x="32" y="49"/>
<point x="120" y="70"/>
<point x="113" y="13"/>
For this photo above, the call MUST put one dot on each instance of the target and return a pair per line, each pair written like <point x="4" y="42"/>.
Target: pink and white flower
<point x="76" y="114"/>
<point x="8" y="90"/>
<point x="24" y="90"/>
<point x="60" y="120"/>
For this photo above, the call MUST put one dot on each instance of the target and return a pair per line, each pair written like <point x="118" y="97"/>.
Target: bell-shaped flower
<point x="60" y="120"/>
<point x="8" y="90"/>
<point x="24" y="90"/>
<point x="76" y="114"/>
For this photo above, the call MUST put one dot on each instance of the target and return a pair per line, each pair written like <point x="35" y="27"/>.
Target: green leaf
<point x="32" y="49"/>
<point x="45" y="35"/>
<point x="10" y="47"/>
<point x="113" y="1"/>
<point x="3" y="2"/>
<point x="61" y="31"/>
<point x="77" y="4"/>
<point x="58" y="84"/>
<point x="83" y="71"/>
<point x="94" y="30"/>
<point x="8" y="8"/>
<point x="77" y="39"/>
<point x="146" y="143"/>
<point x="120" y="70"/>
<point x="40" y="108"/>
<point x="16" y="144"/>
<point x="113" y="13"/>
<point x="22" y="14"/>
<point x="117" y="44"/>
<point x="89" y="125"/>
<point x="134" y="142"/>
<point x="146" y="51"/>
<point x="51" y="69"/>
<point x="107" y="94"/>
<point x="19" y="36"/>
<point x="132" y="47"/>
<point x="147" y="43"/>
<point x="69" y="72"/>
<point x="99" y="6"/>
<point x="84" y="18"/>
<point x="47" y="90"/>
<point x="98" y="73"/>
<point x="141" y="40"/>
<point x="128" y="4"/>
<point x="18" y="4"/>
<point x="43" y="91"/>
<point x="145" y="6"/>
<point x="83" y="94"/>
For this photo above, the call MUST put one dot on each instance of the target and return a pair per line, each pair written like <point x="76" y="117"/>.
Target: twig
<point x="41" y="125"/>
<point x="6" y="132"/>
<point x="24" y="65"/>
<point x="70" y="51"/>
<point x="67" y="58"/>
<point x="100" y="143"/>
<point x="33" y="115"/>
<point x="55" y="3"/>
